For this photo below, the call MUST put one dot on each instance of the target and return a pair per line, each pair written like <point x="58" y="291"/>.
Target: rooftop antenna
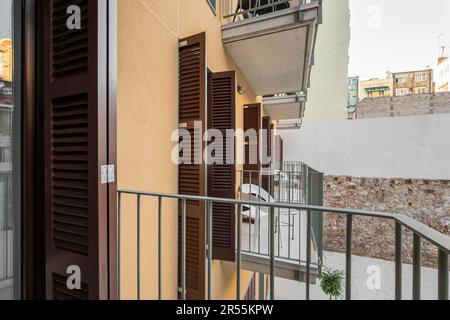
<point x="441" y="46"/>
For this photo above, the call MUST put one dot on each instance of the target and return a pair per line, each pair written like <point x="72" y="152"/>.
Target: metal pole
<point x="416" y="267"/>
<point x="238" y="258"/>
<point x="348" y="259"/>
<point x="183" y="250"/>
<point x="443" y="276"/>
<point x="289" y="215"/>
<point x="159" y="248"/>
<point x="210" y="247"/>
<point x="398" y="261"/>
<point x="272" y="255"/>
<point x="308" y="252"/>
<point x="250" y="215"/>
<point x="119" y="242"/>
<point x="138" y="238"/>
<point x="259" y="214"/>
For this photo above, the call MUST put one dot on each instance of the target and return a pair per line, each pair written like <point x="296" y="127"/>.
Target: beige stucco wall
<point x="327" y="96"/>
<point x="148" y="32"/>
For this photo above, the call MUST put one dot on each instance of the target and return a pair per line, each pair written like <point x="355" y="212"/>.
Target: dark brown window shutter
<point x="222" y="177"/>
<point x="252" y="120"/>
<point x="75" y="126"/>
<point x="191" y="177"/>
<point x="267" y="151"/>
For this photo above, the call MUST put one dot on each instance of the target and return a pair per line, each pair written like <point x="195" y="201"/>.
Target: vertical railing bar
<point x="259" y="214"/>
<point x="442" y="275"/>
<point x="279" y="215"/>
<point x="289" y="215"/>
<point x="416" y="267"/>
<point x="119" y="244"/>
<point x="210" y="247"/>
<point x="138" y="255"/>
<point x="308" y="253"/>
<point x="272" y="254"/>
<point x="348" y="258"/>
<point x="398" y="261"/>
<point x="183" y="250"/>
<point x="250" y="214"/>
<point x="159" y="248"/>
<point x="239" y="255"/>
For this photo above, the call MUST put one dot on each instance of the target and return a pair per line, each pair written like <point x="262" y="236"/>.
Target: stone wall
<point x="411" y="105"/>
<point x="427" y="201"/>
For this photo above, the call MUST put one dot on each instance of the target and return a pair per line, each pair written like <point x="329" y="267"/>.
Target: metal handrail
<point x="419" y="230"/>
<point x="252" y="10"/>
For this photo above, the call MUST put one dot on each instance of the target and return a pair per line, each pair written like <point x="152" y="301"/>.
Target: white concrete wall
<point x="327" y="95"/>
<point x="408" y="147"/>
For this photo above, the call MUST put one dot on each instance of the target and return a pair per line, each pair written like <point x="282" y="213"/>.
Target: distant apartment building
<point x="442" y="74"/>
<point x="413" y="82"/>
<point x="6" y="60"/>
<point x="376" y="87"/>
<point x="353" y="92"/>
<point x="352" y="96"/>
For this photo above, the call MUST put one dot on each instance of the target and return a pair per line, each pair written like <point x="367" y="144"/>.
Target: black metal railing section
<point x="294" y="183"/>
<point x="247" y="9"/>
<point x="420" y="231"/>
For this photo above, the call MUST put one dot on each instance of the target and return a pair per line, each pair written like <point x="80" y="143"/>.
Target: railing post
<point x="348" y="259"/>
<point x="159" y="248"/>
<point x="209" y="219"/>
<point x="239" y="256"/>
<point x="443" y="275"/>
<point x="416" y="266"/>
<point x="138" y="247"/>
<point x="119" y="243"/>
<point x="272" y="254"/>
<point x="308" y="253"/>
<point x="398" y="261"/>
<point x="183" y="250"/>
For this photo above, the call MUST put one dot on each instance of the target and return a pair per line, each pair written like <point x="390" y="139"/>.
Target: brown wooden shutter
<point x="222" y="177"/>
<point x="191" y="177"/>
<point x="267" y="150"/>
<point x="252" y="120"/>
<point x="75" y="133"/>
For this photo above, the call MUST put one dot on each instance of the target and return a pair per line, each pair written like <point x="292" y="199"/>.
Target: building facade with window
<point x="375" y="88"/>
<point x="413" y="82"/>
<point x="442" y="74"/>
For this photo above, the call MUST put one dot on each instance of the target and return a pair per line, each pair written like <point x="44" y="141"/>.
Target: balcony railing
<point x="419" y="230"/>
<point x="295" y="183"/>
<point x="246" y="9"/>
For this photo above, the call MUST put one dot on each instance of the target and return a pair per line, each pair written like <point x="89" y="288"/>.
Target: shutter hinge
<point x="108" y="174"/>
<point x="183" y="43"/>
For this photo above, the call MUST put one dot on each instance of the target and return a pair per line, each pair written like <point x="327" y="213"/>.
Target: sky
<point x="396" y="35"/>
<point x="5" y="18"/>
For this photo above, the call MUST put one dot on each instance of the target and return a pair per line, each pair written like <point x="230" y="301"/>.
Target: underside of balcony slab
<point x="275" y="51"/>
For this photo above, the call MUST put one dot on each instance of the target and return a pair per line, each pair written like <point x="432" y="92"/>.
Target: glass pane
<point x="6" y="112"/>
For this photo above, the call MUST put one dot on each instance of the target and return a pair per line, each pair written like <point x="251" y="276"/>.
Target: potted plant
<point x="332" y="283"/>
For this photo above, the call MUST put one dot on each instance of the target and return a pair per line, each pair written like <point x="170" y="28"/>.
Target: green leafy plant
<point x="332" y="283"/>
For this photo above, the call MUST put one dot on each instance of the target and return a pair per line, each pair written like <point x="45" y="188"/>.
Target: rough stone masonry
<point x="427" y="201"/>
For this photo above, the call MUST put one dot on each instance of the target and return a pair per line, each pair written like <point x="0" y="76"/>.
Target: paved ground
<point x="290" y="290"/>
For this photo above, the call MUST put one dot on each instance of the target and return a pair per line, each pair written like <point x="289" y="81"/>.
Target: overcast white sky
<point x="396" y="35"/>
<point x="5" y="18"/>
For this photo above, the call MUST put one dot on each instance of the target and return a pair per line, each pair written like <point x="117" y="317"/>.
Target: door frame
<point x="28" y="123"/>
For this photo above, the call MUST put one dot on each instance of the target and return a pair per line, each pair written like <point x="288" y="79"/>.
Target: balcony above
<point x="275" y="50"/>
<point x="285" y="107"/>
